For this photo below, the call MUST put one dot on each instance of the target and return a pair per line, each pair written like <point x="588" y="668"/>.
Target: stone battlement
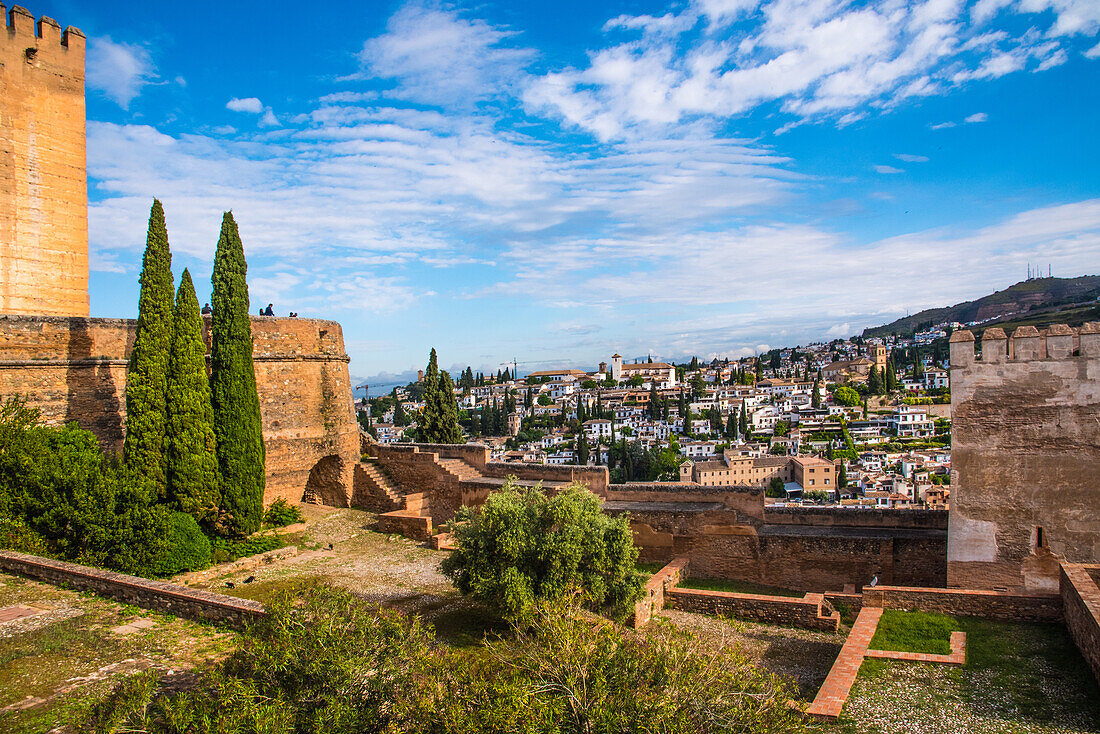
<point x="1057" y="342"/>
<point x="1024" y="444"/>
<point x="22" y="28"/>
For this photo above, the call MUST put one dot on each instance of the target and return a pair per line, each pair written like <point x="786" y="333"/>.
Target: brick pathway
<point x="10" y="614"/>
<point x="833" y="694"/>
<point x="956" y="657"/>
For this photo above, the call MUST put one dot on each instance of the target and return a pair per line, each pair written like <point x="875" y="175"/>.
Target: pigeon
<point x="250" y="579"/>
<point x="229" y="584"/>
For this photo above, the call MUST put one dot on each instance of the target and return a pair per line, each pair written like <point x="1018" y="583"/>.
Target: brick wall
<point x="856" y="517"/>
<point x="74" y="369"/>
<point x="653" y="594"/>
<point x="595" y="477"/>
<point x="747" y="500"/>
<point x="1081" y="602"/>
<point x="810" y="612"/>
<point x="968" y="603"/>
<point x="159" y="595"/>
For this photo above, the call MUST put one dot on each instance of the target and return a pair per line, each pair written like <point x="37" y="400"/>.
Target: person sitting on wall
<point x="269" y="311"/>
<point x="207" y="310"/>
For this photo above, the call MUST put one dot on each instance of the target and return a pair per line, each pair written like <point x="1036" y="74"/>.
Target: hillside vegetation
<point x="1039" y="302"/>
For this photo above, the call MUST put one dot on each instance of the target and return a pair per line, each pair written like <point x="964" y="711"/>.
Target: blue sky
<point x="559" y="181"/>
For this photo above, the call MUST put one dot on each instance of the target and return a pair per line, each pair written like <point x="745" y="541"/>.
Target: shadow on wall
<point x="324" y="485"/>
<point x="91" y="395"/>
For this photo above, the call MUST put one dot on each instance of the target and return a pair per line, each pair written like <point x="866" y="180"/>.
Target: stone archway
<point x="325" y="486"/>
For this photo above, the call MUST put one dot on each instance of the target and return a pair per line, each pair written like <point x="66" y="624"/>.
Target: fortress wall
<point x="74" y="369"/>
<point x="43" y="178"/>
<point x="856" y="517"/>
<point x="1025" y="435"/>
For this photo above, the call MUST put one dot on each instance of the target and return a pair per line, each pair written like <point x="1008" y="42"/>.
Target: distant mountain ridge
<point x="1026" y="300"/>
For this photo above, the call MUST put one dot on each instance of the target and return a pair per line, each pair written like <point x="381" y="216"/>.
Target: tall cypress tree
<point x="147" y="374"/>
<point x="237" y="424"/>
<point x="192" y="457"/>
<point x="431" y="419"/>
<point x="451" y="433"/>
<point x="744" y="419"/>
<point x="582" y="449"/>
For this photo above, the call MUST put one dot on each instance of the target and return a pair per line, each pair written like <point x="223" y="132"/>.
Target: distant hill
<point x="1040" y="301"/>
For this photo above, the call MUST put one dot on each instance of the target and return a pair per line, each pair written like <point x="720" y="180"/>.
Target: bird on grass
<point x="250" y="579"/>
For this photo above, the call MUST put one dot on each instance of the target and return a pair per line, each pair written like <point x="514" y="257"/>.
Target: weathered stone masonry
<point x="43" y="184"/>
<point x="74" y="369"/>
<point x="1025" y="440"/>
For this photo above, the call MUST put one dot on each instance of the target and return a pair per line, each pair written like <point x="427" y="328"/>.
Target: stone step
<point x="414" y="502"/>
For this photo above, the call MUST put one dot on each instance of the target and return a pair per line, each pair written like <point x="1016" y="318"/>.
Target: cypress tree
<point x="815" y="400"/>
<point x="237" y="425"/>
<point x="192" y="469"/>
<point x="147" y="373"/>
<point x="582" y="449"/>
<point x="891" y="377"/>
<point x="450" y="433"/>
<point x="731" y="425"/>
<point x="430" y="428"/>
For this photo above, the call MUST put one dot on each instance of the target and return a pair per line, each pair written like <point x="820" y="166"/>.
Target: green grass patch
<point x="648" y="569"/>
<point x="914" y="632"/>
<point x="738" y="587"/>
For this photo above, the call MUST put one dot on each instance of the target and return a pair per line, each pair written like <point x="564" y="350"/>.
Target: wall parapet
<point x="22" y="28"/>
<point x="595" y="477"/>
<point x="1056" y="342"/>
<point x="162" y="596"/>
<point x="653" y="593"/>
<point x="811" y="611"/>
<point x="856" y="517"/>
<point x="1080" y="591"/>
<point x="967" y="603"/>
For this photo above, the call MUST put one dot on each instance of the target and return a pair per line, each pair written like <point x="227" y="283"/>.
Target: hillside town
<point x="860" y="422"/>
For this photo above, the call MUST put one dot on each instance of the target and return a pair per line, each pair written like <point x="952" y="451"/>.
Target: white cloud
<point x="247" y="104"/>
<point x="1094" y="52"/>
<point x="889" y="169"/>
<point x="977" y="117"/>
<point x="816" y="58"/>
<point x="119" y="70"/>
<point x="440" y="57"/>
<point x="910" y="158"/>
<point x="840" y="331"/>
<point x="942" y="125"/>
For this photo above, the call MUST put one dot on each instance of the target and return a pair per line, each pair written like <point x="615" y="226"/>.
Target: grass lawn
<point x="914" y="632"/>
<point x="1017" y="678"/>
<point x="738" y="587"/>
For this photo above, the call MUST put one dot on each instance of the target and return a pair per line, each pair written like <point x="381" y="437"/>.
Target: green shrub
<point x="523" y="547"/>
<point x="282" y="513"/>
<point x="327" y="662"/>
<point x="230" y="550"/>
<point x="188" y="549"/>
<point x="16" y="536"/>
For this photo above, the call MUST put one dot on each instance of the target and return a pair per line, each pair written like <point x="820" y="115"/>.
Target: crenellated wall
<point x="74" y="369"/>
<point x="43" y="177"/>
<point x="1025" y="452"/>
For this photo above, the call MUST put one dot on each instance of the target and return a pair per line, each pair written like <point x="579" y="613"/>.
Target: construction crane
<point x="514" y="364"/>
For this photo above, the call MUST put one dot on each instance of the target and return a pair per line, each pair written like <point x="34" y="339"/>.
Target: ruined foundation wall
<point x="1026" y="444"/>
<point x="74" y="369"/>
<point x="43" y="176"/>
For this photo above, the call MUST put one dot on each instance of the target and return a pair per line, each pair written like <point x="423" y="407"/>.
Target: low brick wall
<point x="854" y="602"/>
<point x="159" y="595"/>
<point x="1081" y="601"/>
<point x="967" y="603"/>
<point x="809" y="612"/>
<point x="595" y="477"/>
<point x="653" y="598"/>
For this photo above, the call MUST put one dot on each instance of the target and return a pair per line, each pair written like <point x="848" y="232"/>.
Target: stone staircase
<point x="375" y="490"/>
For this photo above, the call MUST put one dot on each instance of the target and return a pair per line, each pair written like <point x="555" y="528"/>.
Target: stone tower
<point x="1025" y="448"/>
<point x="43" y="168"/>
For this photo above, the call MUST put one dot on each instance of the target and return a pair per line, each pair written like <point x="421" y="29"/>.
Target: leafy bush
<point x="229" y="550"/>
<point x="522" y="547"/>
<point x="326" y="662"/>
<point x="188" y="549"/>
<point x="16" y="536"/>
<point x="57" y="485"/>
<point x="282" y="513"/>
